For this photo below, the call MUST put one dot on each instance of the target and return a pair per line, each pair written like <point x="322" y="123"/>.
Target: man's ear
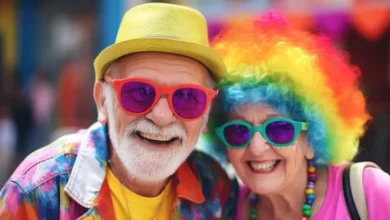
<point x="100" y="100"/>
<point x="213" y="109"/>
<point x="205" y="128"/>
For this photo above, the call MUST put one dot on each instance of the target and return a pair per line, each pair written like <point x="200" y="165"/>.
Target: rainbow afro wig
<point x="298" y="74"/>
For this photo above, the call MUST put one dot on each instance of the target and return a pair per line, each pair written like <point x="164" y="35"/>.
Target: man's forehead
<point x="160" y="67"/>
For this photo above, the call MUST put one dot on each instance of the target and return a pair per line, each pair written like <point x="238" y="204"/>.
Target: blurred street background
<point x="47" y="48"/>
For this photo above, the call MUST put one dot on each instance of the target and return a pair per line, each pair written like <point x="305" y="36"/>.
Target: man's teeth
<point x="263" y="166"/>
<point x="155" y="137"/>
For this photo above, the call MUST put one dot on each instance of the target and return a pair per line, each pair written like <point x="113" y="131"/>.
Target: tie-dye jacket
<point x="66" y="180"/>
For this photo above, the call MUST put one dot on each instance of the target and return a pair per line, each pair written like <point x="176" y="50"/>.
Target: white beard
<point x="143" y="164"/>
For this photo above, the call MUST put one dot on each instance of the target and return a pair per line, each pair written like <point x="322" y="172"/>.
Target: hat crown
<point x="166" y="21"/>
<point x="165" y="28"/>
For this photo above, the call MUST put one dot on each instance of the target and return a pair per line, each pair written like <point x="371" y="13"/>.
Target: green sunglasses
<point x="279" y="132"/>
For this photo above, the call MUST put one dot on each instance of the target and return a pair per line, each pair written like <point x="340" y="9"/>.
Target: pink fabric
<point x="376" y="187"/>
<point x="243" y="192"/>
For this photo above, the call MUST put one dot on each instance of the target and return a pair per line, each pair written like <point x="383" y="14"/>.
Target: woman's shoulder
<point x="375" y="180"/>
<point x="375" y="175"/>
<point x="376" y="184"/>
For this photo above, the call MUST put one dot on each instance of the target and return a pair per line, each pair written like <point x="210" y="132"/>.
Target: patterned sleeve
<point x="220" y="192"/>
<point x="230" y="206"/>
<point x="14" y="204"/>
<point x="229" y="193"/>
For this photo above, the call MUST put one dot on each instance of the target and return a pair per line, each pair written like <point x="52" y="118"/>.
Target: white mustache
<point x="143" y="125"/>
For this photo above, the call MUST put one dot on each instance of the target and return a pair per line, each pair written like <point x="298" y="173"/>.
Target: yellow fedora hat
<point x="161" y="27"/>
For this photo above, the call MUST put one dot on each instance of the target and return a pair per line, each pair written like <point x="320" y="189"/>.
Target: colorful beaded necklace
<point x="310" y="197"/>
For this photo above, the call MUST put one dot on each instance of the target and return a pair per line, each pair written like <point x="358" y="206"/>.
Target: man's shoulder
<point x="44" y="164"/>
<point x="208" y="170"/>
<point x="200" y="161"/>
<point x="219" y="190"/>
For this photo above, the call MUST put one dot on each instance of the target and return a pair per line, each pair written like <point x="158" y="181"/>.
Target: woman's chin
<point x="266" y="181"/>
<point x="268" y="188"/>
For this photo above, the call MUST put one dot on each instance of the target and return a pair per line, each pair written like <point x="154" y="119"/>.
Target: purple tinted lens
<point x="189" y="102"/>
<point x="280" y="132"/>
<point x="137" y="96"/>
<point x="236" y="134"/>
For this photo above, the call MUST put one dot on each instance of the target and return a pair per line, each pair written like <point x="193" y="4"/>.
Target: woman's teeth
<point x="155" y="137"/>
<point x="263" y="166"/>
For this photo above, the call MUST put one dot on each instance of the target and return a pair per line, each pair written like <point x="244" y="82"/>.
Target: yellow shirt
<point x="141" y="208"/>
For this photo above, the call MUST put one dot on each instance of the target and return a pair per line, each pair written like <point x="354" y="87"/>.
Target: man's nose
<point x="161" y="114"/>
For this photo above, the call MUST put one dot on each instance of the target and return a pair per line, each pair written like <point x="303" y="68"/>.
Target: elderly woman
<point x="289" y="120"/>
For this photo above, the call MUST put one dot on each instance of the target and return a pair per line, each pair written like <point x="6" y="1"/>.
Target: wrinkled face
<point x="151" y="146"/>
<point x="266" y="169"/>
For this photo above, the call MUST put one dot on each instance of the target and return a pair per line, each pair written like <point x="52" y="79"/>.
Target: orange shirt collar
<point x="187" y="185"/>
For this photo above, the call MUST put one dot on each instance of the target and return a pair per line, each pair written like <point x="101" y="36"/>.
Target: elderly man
<point x="153" y="94"/>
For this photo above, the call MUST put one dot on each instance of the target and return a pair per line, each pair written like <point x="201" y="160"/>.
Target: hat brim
<point x="204" y="54"/>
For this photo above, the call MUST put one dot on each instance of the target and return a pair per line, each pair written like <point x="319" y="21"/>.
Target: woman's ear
<point x="309" y="152"/>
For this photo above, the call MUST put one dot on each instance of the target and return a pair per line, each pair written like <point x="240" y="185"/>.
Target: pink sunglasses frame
<point x="160" y="90"/>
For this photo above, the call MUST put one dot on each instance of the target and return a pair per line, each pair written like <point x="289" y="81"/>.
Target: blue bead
<point x="310" y="201"/>
<point x="312" y="179"/>
<point x="253" y="201"/>
<point x="311" y="197"/>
